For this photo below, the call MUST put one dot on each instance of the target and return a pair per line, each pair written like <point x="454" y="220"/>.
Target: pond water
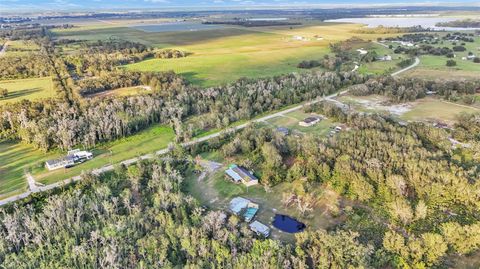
<point x="426" y="22"/>
<point x="176" y="27"/>
<point x="287" y="224"/>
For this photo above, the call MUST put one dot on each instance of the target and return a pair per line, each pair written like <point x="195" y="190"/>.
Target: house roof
<point x="60" y="161"/>
<point x="283" y="130"/>
<point x="238" y="204"/>
<point x="239" y="173"/>
<point x="310" y="119"/>
<point x="259" y="227"/>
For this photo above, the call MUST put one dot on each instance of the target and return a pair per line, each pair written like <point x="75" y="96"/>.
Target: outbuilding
<point x="260" y="228"/>
<point x="310" y="121"/>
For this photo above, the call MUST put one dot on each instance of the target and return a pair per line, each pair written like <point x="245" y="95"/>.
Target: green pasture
<point x="431" y="108"/>
<point x="17" y="158"/>
<point x="14" y="159"/>
<point x="148" y="141"/>
<point x="31" y="89"/>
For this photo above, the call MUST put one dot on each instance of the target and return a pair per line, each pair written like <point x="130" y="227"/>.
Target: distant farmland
<point x="30" y="89"/>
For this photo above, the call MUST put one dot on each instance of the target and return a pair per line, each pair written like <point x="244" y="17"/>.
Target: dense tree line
<point x="48" y="124"/>
<point x="170" y="54"/>
<point x="138" y="217"/>
<point x="467" y="23"/>
<point x="410" y="89"/>
<point x="409" y="176"/>
<point x="27" y="66"/>
<point x="121" y="79"/>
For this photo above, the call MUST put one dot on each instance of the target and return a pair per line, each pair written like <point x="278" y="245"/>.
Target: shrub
<point x="451" y="63"/>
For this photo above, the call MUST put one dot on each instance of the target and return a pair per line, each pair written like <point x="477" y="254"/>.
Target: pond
<point x="405" y="21"/>
<point x="176" y="27"/>
<point x="287" y="224"/>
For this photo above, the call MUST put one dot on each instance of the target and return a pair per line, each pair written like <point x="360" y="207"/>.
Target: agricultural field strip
<point x="128" y="162"/>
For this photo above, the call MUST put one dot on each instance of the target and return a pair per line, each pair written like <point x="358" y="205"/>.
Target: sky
<point x="61" y="5"/>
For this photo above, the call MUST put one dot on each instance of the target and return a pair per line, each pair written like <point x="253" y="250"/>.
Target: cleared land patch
<point x="31" y="89"/>
<point x="292" y="119"/>
<point x="215" y="191"/>
<point x="428" y="108"/>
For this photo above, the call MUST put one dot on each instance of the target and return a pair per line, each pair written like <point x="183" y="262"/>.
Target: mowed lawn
<point x="148" y="141"/>
<point x="17" y="158"/>
<point x="14" y="159"/>
<point x="292" y="119"/>
<point x="31" y="89"/>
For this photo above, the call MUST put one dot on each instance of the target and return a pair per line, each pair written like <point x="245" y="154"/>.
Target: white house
<point x="73" y="157"/>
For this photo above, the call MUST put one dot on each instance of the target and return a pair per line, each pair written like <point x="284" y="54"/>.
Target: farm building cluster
<point x="73" y="157"/>
<point x="247" y="209"/>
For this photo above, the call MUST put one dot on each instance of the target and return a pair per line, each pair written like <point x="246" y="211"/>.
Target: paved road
<point x="417" y="61"/>
<point x="381" y="44"/>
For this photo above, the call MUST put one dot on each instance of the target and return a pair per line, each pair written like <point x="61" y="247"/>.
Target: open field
<point x="227" y="54"/>
<point x="14" y="158"/>
<point x="127" y="91"/>
<point x="31" y="89"/>
<point x="291" y="120"/>
<point x="147" y="141"/>
<point x="428" y="108"/>
<point x="20" y="48"/>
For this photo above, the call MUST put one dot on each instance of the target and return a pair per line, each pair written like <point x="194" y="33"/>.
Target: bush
<point x="451" y="63"/>
<point x="476" y="60"/>
<point x="3" y="93"/>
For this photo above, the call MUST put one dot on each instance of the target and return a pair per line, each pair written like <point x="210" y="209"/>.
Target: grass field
<point x="291" y="120"/>
<point x="148" y="141"/>
<point x="421" y="110"/>
<point x="224" y="55"/>
<point x="430" y="108"/>
<point x="31" y="89"/>
<point x="435" y="66"/>
<point x="20" y="48"/>
<point x="14" y="159"/>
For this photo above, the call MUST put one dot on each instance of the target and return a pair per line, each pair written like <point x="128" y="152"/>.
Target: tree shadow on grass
<point x="20" y="93"/>
<point x="193" y="79"/>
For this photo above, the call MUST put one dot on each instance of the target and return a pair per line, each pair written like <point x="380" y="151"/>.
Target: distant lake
<point x="176" y="27"/>
<point x="429" y="22"/>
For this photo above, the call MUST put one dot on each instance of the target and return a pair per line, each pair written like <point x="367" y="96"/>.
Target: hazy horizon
<point x="24" y="6"/>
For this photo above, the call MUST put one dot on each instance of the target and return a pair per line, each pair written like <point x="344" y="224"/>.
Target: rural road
<point x="4" y="48"/>
<point x="417" y="62"/>
<point x="108" y="168"/>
